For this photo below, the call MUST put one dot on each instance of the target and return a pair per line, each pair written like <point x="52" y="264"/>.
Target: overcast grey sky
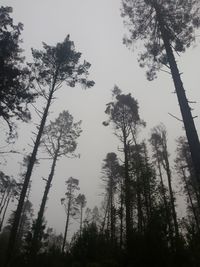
<point x="97" y="31"/>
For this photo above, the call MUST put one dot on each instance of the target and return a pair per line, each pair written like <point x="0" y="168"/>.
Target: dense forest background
<point x="99" y="163"/>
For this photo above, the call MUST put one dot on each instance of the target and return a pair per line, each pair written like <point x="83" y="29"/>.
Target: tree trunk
<point x="168" y="213"/>
<point x="13" y="233"/>
<point x="66" y="226"/>
<point x="81" y="220"/>
<point x="171" y="194"/>
<point x="2" y="198"/>
<point x="139" y="205"/>
<point x="188" y="121"/>
<point x="112" y="219"/>
<point x="121" y="216"/>
<point x="22" y="219"/>
<point x="38" y="224"/>
<point x="127" y="195"/>
<point x="4" y="213"/>
<point x="5" y="200"/>
<point x="105" y="216"/>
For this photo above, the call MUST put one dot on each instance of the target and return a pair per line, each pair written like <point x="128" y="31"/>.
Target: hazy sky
<point x="97" y="31"/>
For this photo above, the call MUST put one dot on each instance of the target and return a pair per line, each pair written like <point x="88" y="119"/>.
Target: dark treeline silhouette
<point x="138" y="222"/>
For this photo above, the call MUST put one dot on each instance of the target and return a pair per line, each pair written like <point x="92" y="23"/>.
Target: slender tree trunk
<point x="4" y="213"/>
<point x="191" y="133"/>
<point x="105" y="216"/>
<point x="121" y="216"/>
<point x="171" y="194"/>
<point x="149" y="193"/>
<point x="66" y="226"/>
<point x="2" y="198"/>
<point x="139" y="204"/>
<point x="127" y="194"/>
<point x="5" y="201"/>
<point x="112" y="219"/>
<point x="168" y="213"/>
<point x="39" y="220"/>
<point x="22" y="219"/>
<point x="13" y="234"/>
<point x="81" y="220"/>
<point x="146" y="195"/>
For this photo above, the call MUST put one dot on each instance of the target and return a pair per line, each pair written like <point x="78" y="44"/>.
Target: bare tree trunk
<point x="105" y="216"/>
<point x="191" y="133"/>
<point x="38" y="225"/>
<point x="66" y="226"/>
<point x="121" y="216"/>
<point x="112" y="216"/>
<point x="22" y="220"/>
<point x="171" y="194"/>
<point x="81" y="220"/>
<point x="2" y="198"/>
<point x="127" y="195"/>
<point x="4" y="213"/>
<point x="5" y="201"/>
<point x="168" y="213"/>
<point x="139" y="205"/>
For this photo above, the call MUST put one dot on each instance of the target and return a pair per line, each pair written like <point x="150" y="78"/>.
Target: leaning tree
<point x="165" y="27"/>
<point x="52" y="67"/>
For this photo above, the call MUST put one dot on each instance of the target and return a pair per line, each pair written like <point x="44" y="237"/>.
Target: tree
<point x="123" y="114"/>
<point x="81" y="202"/>
<point x="69" y="203"/>
<point x="59" y="139"/>
<point x="166" y="27"/>
<point x="157" y="159"/>
<point x="183" y="168"/>
<point x="15" y="78"/>
<point x="52" y="67"/>
<point x="159" y="139"/>
<point x="110" y="171"/>
<point x="10" y="192"/>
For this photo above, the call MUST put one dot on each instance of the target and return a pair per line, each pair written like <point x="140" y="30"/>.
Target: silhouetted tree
<point x="123" y="114"/>
<point x="159" y="138"/>
<point x="157" y="159"/>
<point x="59" y="139"/>
<point x="81" y="202"/>
<point x="53" y="66"/>
<point x="110" y="170"/>
<point x="166" y="27"/>
<point x="15" y="78"/>
<point x="69" y="203"/>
